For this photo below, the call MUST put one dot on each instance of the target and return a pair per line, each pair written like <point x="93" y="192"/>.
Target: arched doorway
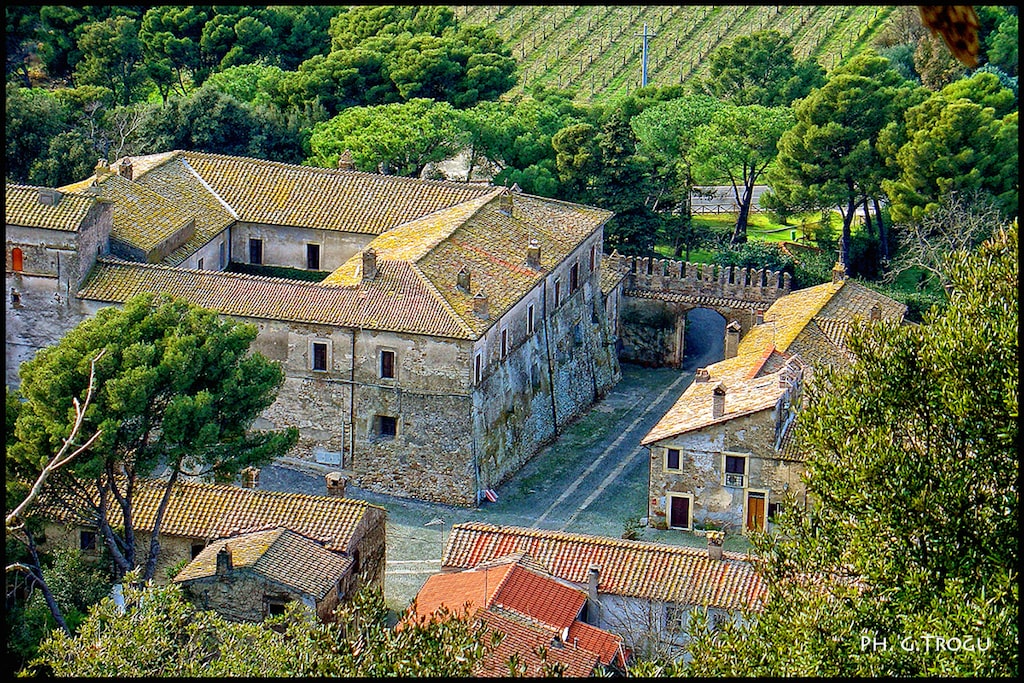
<point x="17" y="260"/>
<point x="704" y="339"/>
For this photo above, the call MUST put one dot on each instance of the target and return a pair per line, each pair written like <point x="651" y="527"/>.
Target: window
<point x="676" y="617"/>
<point x="558" y="291"/>
<point x="593" y="257"/>
<point x="387" y="364"/>
<point x="671" y="458"/>
<point x="17" y="260"/>
<point x="574" y="278"/>
<point x="223" y="255"/>
<point x="387" y="426"/>
<point x="196" y="549"/>
<point x="530" y="319"/>
<point x="478" y="368"/>
<point x="320" y="356"/>
<point x="199" y="264"/>
<point x="504" y="342"/>
<point x="255" y="251"/>
<point x="275" y="607"/>
<point x="312" y="257"/>
<point x="774" y="509"/>
<point x="735" y="470"/>
<point x="87" y="540"/>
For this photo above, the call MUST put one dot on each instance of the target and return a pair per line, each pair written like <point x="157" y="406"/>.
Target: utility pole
<point x="643" y="55"/>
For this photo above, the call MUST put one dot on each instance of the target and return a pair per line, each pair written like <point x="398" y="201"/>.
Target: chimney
<point x="250" y="477"/>
<point x="505" y="202"/>
<point x="464" y="280"/>
<point x="715" y="539"/>
<point x="718" y="400"/>
<point x="224" y="560"/>
<point x="345" y="162"/>
<point x="876" y="313"/>
<point x="593" y="602"/>
<point x="702" y="375"/>
<point x="125" y="170"/>
<point x="732" y="339"/>
<point x="533" y="254"/>
<point x="369" y="264"/>
<point x="49" y="196"/>
<point x="480" y="306"/>
<point x="336" y="483"/>
<point x="102" y="168"/>
<point x="758" y="317"/>
<point x="838" y="272"/>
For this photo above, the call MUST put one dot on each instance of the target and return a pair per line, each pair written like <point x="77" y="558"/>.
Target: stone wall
<point x="242" y="595"/>
<point x="701" y="471"/>
<point x="286" y="246"/>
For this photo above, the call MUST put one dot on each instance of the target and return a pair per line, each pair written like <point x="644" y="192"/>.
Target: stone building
<point x="722" y="455"/>
<point x="202" y="519"/>
<point x="251" y="576"/>
<point x="455" y="329"/>
<point x="641" y="591"/>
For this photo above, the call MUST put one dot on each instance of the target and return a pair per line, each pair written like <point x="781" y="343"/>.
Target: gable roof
<point x="22" y="207"/>
<point x="278" y="555"/>
<point x="810" y="324"/>
<point x="522" y="638"/>
<point x="640" y="569"/>
<point x="210" y="511"/>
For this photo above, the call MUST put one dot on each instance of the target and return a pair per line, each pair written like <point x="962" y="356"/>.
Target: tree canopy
<point x="176" y="388"/>
<point x="910" y="534"/>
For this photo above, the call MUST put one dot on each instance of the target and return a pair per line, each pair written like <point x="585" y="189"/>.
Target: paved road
<point x="593" y="479"/>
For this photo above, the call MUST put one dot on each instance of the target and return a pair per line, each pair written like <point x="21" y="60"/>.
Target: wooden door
<point x="755" y="511"/>
<point x="679" y="512"/>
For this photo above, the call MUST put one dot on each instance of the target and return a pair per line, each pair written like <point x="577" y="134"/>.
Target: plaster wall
<point x="286" y="245"/>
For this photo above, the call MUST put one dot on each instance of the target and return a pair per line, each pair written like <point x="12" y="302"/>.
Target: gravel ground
<point x="592" y="479"/>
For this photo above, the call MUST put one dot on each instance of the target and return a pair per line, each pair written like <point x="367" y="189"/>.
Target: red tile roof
<point x="523" y="638"/>
<point x="641" y="569"/>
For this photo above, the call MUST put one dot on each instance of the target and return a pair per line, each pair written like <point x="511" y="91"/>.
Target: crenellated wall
<point x="701" y="279"/>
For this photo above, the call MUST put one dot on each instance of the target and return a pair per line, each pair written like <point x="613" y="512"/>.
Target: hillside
<point x="596" y="49"/>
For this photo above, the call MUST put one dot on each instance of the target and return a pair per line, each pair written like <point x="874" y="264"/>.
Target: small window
<point x="676" y="617"/>
<point x="735" y="470"/>
<point x="355" y="561"/>
<point x="255" y="251"/>
<point x="196" y="549"/>
<point x="593" y="257"/>
<point x="387" y="426"/>
<point x="530" y="319"/>
<point x="387" y="364"/>
<point x="672" y="459"/>
<point x="558" y="291"/>
<point x="223" y="254"/>
<point x="17" y="260"/>
<point x="774" y="509"/>
<point x="312" y="257"/>
<point x="478" y="368"/>
<point x="275" y="608"/>
<point x="320" y="356"/>
<point x="199" y="264"/>
<point x="574" y="278"/>
<point x="504" y="342"/>
<point x="87" y="540"/>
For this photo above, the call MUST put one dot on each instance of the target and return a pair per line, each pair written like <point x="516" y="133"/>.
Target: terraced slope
<point x="596" y="49"/>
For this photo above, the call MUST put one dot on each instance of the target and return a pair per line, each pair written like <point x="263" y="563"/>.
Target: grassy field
<point x="596" y="49"/>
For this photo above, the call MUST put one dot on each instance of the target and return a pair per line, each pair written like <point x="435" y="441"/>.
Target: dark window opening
<point x="312" y="257"/>
<point x="87" y="540"/>
<point x="387" y="364"/>
<point x="735" y="465"/>
<point x="199" y="265"/>
<point x="275" y="608"/>
<point x="387" y="426"/>
<point x="223" y="253"/>
<point x="477" y="368"/>
<point x="672" y="461"/>
<point x="574" y="278"/>
<point x="773" y="511"/>
<point x="504" y="343"/>
<point x="255" y="251"/>
<point x="530" y="319"/>
<point x="558" y="291"/>
<point x="593" y="258"/>
<point x="320" y="356"/>
<point x="196" y="549"/>
<point x="355" y="561"/>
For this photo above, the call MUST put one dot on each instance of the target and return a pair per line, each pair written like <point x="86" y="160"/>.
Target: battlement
<point x="700" y="279"/>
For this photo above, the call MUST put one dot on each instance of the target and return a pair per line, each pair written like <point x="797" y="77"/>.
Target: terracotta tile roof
<point x="210" y="511"/>
<point x="279" y="555"/>
<point x="639" y="569"/>
<point x="522" y="638"/>
<point x="608" y="646"/>
<point x="397" y="299"/>
<point x="810" y="324"/>
<point x="471" y="590"/>
<point x="479" y="237"/>
<point x="22" y="207"/>
<point x="327" y="199"/>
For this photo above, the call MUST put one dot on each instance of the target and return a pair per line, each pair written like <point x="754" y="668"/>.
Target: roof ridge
<point x="202" y="181"/>
<point x="258" y="492"/>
